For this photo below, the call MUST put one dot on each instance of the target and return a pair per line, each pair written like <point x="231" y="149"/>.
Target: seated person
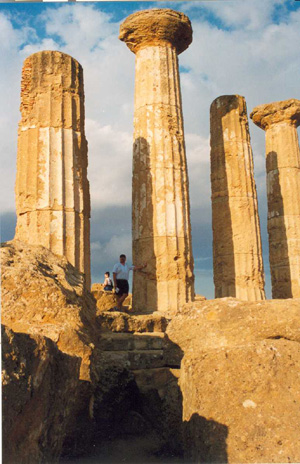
<point x="108" y="285"/>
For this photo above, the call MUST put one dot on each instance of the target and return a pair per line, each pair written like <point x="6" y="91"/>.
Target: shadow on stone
<point x="38" y="393"/>
<point x="205" y="441"/>
<point x="137" y="414"/>
<point x="278" y="242"/>
<point x="223" y="247"/>
<point x="144" y="282"/>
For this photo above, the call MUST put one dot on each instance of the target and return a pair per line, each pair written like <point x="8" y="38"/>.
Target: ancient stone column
<point x="161" y="212"/>
<point x="280" y="121"/>
<point x="52" y="190"/>
<point x="237" y="251"/>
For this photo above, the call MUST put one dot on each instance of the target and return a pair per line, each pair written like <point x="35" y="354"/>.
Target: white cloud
<point x="108" y="252"/>
<point x="80" y="28"/>
<point x="45" y="44"/>
<point x="110" y="164"/>
<point x="198" y="159"/>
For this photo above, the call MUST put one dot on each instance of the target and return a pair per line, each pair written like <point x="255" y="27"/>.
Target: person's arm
<point x="138" y="268"/>
<point x="115" y="279"/>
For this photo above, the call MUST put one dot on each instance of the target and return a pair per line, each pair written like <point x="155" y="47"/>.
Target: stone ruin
<point x="280" y="121"/>
<point x="160" y="197"/>
<point x="52" y="190"/>
<point x="214" y="381"/>
<point x="237" y="252"/>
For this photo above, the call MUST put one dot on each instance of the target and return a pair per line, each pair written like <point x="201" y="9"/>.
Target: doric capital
<point x="288" y="111"/>
<point x="155" y="27"/>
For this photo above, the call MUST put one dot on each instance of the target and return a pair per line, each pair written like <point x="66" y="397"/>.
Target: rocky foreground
<point x="217" y="382"/>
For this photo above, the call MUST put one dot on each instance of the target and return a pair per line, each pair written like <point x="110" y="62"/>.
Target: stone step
<point x="117" y="341"/>
<point x="157" y="378"/>
<point x="122" y="322"/>
<point x="135" y="359"/>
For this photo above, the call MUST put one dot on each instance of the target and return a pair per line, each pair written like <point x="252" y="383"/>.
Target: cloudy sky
<point x="246" y="47"/>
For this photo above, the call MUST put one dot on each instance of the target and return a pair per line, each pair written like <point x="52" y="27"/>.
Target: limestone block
<point x="161" y="212"/>
<point x="44" y="294"/>
<point x="246" y="355"/>
<point x="46" y="304"/>
<point x="280" y="121"/>
<point x="114" y="341"/>
<point x="237" y="252"/>
<point x="142" y="359"/>
<point x="52" y="190"/>
<point x="120" y="322"/>
<point x="39" y="385"/>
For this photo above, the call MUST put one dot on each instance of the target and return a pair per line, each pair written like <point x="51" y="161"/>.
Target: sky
<point x="245" y="47"/>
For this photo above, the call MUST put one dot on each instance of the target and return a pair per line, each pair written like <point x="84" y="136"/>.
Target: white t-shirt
<point x="122" y="270"/>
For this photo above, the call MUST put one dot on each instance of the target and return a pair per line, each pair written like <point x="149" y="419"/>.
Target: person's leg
<point x="120" y="301"/>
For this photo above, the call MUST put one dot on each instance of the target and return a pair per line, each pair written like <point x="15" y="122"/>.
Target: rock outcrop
<point x="39" y="387"/>
<point x="50" y="355"/>
<point x="160" y="196"/>
<point x="44" y="294"/>
<point x="239" y="380"/>
<point x="107" y="300"/>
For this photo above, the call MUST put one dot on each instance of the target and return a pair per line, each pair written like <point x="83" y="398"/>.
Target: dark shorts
<point x="123" y="286"/>
<point x="108" y="288"/>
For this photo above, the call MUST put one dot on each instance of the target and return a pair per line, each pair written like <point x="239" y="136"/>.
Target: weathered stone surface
<point x="131" y="341"/>
<point x="280" y="121"/>
<point x="121" y="322"/>
<point x="161" y="217"/>
<point x="108" y="300"/>
<point x="264" y="116"/>
<point x="237" y="252"/>
<point x="39" y="385"/>
<point x="44" y="294"/>
<point x="240" y="380"/>
<point x="52" y="190"/>
<point x="154" y="27"/>
<point x="162" y="404"/>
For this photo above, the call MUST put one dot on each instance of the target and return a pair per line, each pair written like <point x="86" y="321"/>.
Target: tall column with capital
<point x="161" y="212"/>
<point x="280" y="121"/>
<point x="52" y="190"/>
<point x="237" y="252"/>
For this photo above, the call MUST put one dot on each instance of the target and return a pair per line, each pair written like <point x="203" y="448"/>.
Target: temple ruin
<point x="160" y="196"/>
<point x="237" y="251"/>
<point x="280" y="121"/>
<point x="52" y="190"/>
<point x="216" y="381"/>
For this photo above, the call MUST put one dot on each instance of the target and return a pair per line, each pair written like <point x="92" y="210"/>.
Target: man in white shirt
<point x="120" y="276"/>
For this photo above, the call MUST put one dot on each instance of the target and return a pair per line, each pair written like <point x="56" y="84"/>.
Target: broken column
<point x="161" y="212"/>
<point x="237" y="251"/>
<point x="52" y="190"/>
<point x="280" y="121"/>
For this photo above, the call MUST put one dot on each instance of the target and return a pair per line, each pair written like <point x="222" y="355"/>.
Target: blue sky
<point x="246" y="47"/>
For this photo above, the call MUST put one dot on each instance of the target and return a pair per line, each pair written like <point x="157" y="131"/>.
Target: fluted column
<point x="160" y="197"/>
<point x="237" y="252"/>
<point x="52" y="190"/>
<point x="280" y="121"/>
